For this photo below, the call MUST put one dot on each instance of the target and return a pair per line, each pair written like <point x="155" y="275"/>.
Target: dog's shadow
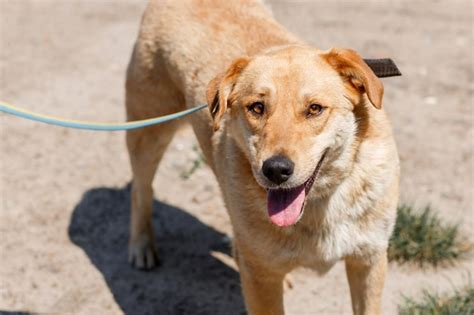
<point x="188" y="281"/>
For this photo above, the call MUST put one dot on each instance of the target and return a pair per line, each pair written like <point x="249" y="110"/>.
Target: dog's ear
<point x="352" y="67"/>
<point x="220" y="87"/>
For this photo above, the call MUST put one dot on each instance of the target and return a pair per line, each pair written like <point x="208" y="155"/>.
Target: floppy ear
<point x="351" y="66"/>
<point x="219" y="89"/>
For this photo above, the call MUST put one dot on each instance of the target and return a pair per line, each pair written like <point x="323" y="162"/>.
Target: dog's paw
<point x="143" y="255"/>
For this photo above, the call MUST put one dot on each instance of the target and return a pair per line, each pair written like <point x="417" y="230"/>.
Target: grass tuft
<point x="198" y="162"/>
<point x="421" y="238"/>
<point x="460" y="303"/>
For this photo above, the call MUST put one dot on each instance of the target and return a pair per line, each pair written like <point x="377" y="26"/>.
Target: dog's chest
<point x="321" y="247"/>
<point x="320" y="241"/>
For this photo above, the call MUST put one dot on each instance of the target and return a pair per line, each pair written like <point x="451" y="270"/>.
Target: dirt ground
<point x="65" y="193"/>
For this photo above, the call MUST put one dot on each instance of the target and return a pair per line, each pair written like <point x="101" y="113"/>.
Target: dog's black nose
<point x="278" y="168"/>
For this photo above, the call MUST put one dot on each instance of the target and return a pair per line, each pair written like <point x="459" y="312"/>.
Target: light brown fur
<point x="231" y="54"/>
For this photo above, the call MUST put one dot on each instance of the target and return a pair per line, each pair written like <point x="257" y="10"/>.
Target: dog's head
<point x="292" y="111"/>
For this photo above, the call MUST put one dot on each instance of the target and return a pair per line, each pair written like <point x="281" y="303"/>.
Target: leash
<point x="382" y="68"/>
<point x="106" y="126"/>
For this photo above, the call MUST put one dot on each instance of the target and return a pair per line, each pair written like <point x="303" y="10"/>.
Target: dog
<point x="296" y="137"/>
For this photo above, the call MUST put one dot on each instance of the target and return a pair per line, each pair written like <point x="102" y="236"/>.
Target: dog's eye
<point x="256" y="108"/>
<point x="315" y="110"/>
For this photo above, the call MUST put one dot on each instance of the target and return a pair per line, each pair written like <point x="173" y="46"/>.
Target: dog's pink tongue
<point x="284" y="207"/>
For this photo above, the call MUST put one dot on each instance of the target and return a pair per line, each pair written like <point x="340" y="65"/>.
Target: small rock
<point x="430" y="100"/>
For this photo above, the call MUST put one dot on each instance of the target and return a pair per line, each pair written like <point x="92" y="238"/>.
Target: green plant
<point x="459" y="303"/>
<point x="420" y="237"/>
<point x="198" y="162"/>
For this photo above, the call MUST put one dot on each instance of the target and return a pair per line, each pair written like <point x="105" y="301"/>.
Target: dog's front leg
<point x="366" y="280"/>
<point x="262" y="286"/>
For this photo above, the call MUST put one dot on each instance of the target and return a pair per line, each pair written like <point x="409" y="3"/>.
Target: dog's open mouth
<point x="285" y="206"/>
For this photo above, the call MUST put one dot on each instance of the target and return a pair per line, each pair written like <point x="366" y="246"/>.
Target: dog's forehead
<point x="291" y="69"/>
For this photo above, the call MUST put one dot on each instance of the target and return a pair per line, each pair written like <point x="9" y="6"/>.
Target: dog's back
<point x="183" y="38"/>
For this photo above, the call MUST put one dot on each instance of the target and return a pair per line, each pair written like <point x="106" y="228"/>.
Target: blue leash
<point x="381" y="67"/>
<point x="101" y="126"/>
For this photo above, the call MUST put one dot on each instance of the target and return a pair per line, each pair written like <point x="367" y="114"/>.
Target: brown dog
<point x="296" y="137"/>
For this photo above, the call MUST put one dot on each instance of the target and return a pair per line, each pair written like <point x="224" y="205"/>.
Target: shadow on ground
<point x="189" y="280"/>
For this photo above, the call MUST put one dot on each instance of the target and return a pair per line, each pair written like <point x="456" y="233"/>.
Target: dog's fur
<point x="234" y="53"/>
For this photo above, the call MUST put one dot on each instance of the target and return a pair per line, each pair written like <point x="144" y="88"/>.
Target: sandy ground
<point x="65" y="193"/>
